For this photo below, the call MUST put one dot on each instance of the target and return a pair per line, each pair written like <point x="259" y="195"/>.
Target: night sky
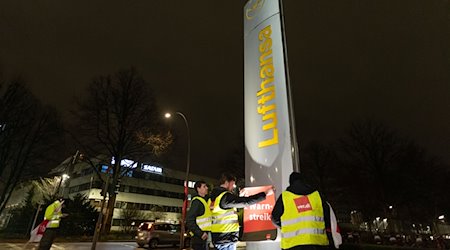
<point x="382" y="60"/>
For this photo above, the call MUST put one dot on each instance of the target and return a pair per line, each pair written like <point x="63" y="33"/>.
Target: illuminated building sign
<point x="128" y="163"/>
<point x="125" y="163"/>
<point x="105" y="169"/>
<point x="151" y="169"/>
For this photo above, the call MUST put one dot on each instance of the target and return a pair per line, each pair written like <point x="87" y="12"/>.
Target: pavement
<point x="76" y="246"/>
<point x="87" y="246"/>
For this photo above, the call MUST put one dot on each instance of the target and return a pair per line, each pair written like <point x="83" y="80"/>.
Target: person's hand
<point x="270" y="190"/>
<point x="204" y="236"/>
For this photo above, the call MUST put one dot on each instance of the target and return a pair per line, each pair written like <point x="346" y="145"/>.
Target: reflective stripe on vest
<point x="204" y="221"/>
<point x="224" y="220"/>
<point x="302" y="222"/>
<point x="53" y="224"/>
<point x="303" y="231"/>
<point x="299" y="219"/>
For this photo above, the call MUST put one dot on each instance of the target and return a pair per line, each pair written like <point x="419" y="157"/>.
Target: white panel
<point x="268" y="142"/>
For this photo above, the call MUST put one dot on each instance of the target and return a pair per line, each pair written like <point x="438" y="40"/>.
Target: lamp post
<point x="186" y="180"/>
<point x="62" y="179"/>
<point x="64" y="184"/>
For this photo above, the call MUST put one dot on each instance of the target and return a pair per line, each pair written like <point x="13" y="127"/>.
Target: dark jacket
<point x="300" y="188"/>
<point x="230" y="200"/>
<point x="196" y="209"/>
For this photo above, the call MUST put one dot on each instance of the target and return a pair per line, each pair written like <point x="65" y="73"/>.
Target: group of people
<point x="305" y="220"/>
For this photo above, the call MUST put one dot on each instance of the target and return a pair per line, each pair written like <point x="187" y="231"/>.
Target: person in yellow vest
<point x="198" y="218"/>
<point x="225" y="225"/>
<point x="302" y="216"/>
<point x="53" y="213"/>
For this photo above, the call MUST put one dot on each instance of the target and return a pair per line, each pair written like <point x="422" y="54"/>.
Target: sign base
<point x="263" y="245"/>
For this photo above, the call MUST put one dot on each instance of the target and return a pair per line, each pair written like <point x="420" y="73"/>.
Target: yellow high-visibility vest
<point x="223" y="220"/>
<point x="204" y="221"/>
<point x="53" y="214"/>
<point x="302" y="222"/>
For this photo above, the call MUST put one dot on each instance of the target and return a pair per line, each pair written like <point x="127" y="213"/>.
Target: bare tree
<point x="116" y="118"/>
<point x="46" y="188"/>
<point x="158" y="213"/>
<point x="319" y="163"/>
<point x="28" y="138"/>
<point x="130" y="215"/>
<point x="370" y="153"/>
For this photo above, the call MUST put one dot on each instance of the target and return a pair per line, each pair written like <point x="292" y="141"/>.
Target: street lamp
<point x="64" y="184"/>
<point x="186" y="180"/>
<point x="62" y="179"/>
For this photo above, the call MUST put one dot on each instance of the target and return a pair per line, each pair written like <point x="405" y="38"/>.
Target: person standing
<point x="225" y="225"/>
<point x="198" y="218"/>
<point x="53" y="213"/>
<point x="302" y="216"/>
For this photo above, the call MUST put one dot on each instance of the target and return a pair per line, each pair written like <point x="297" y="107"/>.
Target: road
<point x="87" y="246"/>
<point x="81" y="246"/>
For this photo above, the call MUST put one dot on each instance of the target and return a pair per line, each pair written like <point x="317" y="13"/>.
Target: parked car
<point x="160" y="233"/>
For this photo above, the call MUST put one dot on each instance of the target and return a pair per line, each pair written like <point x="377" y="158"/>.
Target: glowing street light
<point x="185" y="200"/>
<point x="62" y="180"/>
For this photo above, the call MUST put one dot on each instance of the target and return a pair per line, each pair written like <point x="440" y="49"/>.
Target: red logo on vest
<point x="303" y="204"/>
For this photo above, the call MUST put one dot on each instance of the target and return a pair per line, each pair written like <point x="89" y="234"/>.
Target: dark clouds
<point x="382" y="60"/>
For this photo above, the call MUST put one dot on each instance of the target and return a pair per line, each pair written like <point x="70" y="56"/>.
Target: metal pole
<point x="185" y="201"/>
<point x="294" y="144"/>
<point x="35" y="216"/>
<point x="99" y="223"/>
<point x="57" y="188"/>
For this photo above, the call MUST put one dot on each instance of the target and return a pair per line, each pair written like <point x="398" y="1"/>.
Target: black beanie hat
<point x="294" y="177"/>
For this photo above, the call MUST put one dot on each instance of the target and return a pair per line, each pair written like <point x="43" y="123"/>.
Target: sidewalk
<point x="241" y="245"/>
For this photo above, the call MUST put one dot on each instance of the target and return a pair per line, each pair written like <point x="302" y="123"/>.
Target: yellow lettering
<point x="263" y="109"/>
<point x="264" y="89"/>
<point x="271" y="141"/>
<point x="265" y="45"/>
<point x="263" y="61"/>
<point x="266" y="32"/>
<point x="266" y="71"/>
<point x="266" y="98"/>
<point x="267" y="91"/>
<point x="272" y="124"/>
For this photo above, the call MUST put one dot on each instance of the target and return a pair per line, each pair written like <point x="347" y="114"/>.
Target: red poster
<point x="258" y="217"/>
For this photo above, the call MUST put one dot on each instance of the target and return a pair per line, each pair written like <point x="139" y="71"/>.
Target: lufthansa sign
<point x="266" y="114"/>
<point x="269" y="144"/>
<point x="266" y="94"/>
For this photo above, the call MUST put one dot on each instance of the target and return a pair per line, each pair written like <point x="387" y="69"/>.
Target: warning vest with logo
<point x="302" y="222"/>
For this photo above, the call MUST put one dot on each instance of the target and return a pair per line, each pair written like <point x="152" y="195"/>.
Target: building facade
<point x="147" y="192"/>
